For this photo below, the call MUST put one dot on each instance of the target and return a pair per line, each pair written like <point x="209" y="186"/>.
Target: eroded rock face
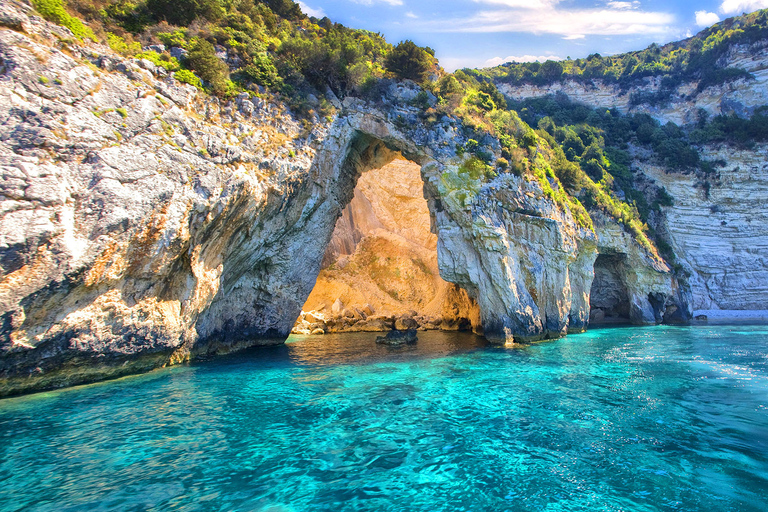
<point x="143" y="223"/>
<point x="624" y="272"/>
<point x="383" y="256"/>
<point x="718" y="227"/>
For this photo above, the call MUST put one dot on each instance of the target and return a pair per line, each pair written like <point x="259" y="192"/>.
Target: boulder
<point x="397" y="338"/>
<point x="317" y="325"/>
<point x="377" y="324"/>
<point x="405" y="323"/>
<point x="314" y="317"/>
<point x="597" y="316"/>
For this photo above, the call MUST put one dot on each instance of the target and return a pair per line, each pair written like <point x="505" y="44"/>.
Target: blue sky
<point x="480" y="33"/>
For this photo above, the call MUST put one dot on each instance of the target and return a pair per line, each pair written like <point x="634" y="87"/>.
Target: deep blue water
<point x="632" y="419"/>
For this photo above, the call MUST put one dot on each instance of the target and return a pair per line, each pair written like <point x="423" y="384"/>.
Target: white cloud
<point x="573" y="37"/>
<point x="410" y="14"/>
<point x="497" y="61"/>
<point x="371" y="2"/>
<point x="522" y="4"/>
<point x="740" y="6"/>
<point x="309" y="11"/>
<point x="569" y="23"/>
<point x="705" y="19"/>
<point x="624" y="5"/>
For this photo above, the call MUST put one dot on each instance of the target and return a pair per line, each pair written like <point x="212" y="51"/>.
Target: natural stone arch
<point x="270" y="280"/>
<point x="139" y="249"/>
<point x="211" y="260"/>
<point x="381" y="268"/>
<point x="524" y="260"/>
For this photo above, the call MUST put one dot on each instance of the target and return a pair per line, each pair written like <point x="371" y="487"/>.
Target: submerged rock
<point x="396" y="338"/>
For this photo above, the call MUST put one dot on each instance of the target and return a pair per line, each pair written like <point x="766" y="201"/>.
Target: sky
<point x="483" y="33"/>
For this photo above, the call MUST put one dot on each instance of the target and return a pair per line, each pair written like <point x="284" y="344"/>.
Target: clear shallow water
<point x="616" y="419"/>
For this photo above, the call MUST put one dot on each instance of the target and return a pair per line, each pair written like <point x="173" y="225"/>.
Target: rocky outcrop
<point x="630" y="286"/>
<point x="143" y="223"/>
<point x="739" y="97"/>
<point x="717" y="227"/>
<point x="398" y="338"/>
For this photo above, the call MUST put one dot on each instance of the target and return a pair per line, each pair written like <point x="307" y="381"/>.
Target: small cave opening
<point x="609" y="298"/>
<point x="380" y="268"/>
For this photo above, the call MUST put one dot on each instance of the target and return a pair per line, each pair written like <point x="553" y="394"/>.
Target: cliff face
<point x="717" y="226"/>
<point x="740" y="97"/>
<point x="144" y="223"/>
<point x="720" y="234"/>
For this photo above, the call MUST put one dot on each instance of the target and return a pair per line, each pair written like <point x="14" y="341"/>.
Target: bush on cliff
<point x="407" y="60"/>
<point x="203" y="60"/>
<point x="53" y="10"/>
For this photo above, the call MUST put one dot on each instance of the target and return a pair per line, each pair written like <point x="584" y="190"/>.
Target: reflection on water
<point x="335" y="349"/>
<point x="616" y="419"/>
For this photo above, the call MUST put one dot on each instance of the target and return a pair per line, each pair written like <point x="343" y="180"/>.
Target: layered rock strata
<point x="717" y="227"/>
<point x="739" y="97"/>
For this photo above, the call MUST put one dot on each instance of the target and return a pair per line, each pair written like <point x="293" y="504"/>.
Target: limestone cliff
<point x="144" y="223"/>
<point x="719" y="231"/>
<point x="717" y="227"/>
<point x="739" y="97"/>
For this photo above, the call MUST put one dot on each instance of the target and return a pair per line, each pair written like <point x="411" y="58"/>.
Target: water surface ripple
<point x="626" y="419"/>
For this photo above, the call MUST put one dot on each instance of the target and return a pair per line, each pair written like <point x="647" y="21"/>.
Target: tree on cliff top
<point x="407" y="60"/>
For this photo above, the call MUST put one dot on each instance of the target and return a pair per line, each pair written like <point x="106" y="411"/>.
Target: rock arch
<point x="161" y="254"/>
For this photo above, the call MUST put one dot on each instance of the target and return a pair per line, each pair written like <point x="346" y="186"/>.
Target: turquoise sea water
<point x="632" y="419"/>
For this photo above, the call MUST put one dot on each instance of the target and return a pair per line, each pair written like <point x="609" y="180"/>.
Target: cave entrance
<point x="380" y="268"/>
<point x="609" y="298"/>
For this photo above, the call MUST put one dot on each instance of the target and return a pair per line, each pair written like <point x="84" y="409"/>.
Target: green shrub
<point x="477" y="169"/>
<point x="407" y="60"/>
<point x="213" y="71"/>
<point x="162" y="60"/>
<point x="177" y="38"/>
<point x="119" y="45"/>
<point x="188" y="77"/>
<point x="53" y="10"/>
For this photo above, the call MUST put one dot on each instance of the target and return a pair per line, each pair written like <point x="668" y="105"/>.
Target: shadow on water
<point x="353" y="348"/>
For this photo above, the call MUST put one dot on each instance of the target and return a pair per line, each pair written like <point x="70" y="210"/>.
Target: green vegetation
<point x="53" y="10"/>
<point x="406" y="60"/>
<point x="187" y="77"/>
<point x="578" y="156"/>
<point x="236" y="45"/>
<point x="733" y="130"/>
<point x="694" y="59"/>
